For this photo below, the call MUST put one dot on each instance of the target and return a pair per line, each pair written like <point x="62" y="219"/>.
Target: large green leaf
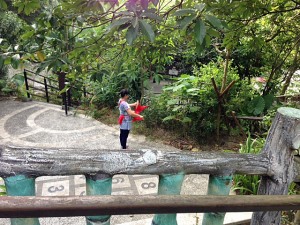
<point x="183" y="12"/>
<point x="200" y="7"/>
<point x="172" y="102"/>
<point x="169" y="118"/>
<point x="207" y="41"/>
<point x="3" y="5"/>
<point x="116" y="23"/>
<point x="177" y="108"/>
<point x="15" y="60"/>
<point x="213" y="33"/>
<point x="151" y="16"/>
<point x="186" y="21"/>
<point x="200" y="31"/>
<point x="131" y="34"/>
<point x="214" y="21"/>
<point x="18" y="79"/>
<point x="200" y="47"/>
<point x="147" y="30"/>
<point x="135" y="21"/>
<point x="178" y="87"/>
<point x="269" y="99"/>
<point x="28" y="34"/>
<point x="187" y="120"/>
<point x="194" y="109"/>
<point x="256" y="106"/>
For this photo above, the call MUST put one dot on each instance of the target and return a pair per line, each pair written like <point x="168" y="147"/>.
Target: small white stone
<point x="149" y="157"/>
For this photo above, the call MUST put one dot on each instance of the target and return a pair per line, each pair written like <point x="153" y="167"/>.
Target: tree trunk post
<point x="100" y="184"/>
<point x="282" y="139"/>
<point x="21" y="185"/>
<point x="169" y="184"/>
<point x="217" y="185"/>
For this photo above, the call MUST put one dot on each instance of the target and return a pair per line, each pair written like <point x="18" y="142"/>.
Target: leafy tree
<point x="269" y="29"/>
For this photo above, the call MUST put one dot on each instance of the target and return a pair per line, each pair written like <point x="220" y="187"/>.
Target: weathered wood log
<point x="15" y="207"/>
<point x="52" y="162"/>
<point x="279" y="148"/>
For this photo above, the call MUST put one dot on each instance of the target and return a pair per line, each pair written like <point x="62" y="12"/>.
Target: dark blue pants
<point x="123" y="137"/>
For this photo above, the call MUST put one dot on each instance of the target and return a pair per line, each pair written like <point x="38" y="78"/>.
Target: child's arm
<point x="133" y="114"/>
<point x="134" y="104"/>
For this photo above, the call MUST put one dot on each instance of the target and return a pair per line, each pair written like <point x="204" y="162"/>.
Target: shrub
<point x="190" y="104"/>
<point x="107" y="91"/>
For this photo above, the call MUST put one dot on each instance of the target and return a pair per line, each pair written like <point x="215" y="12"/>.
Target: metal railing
<point x="45" y="82"/>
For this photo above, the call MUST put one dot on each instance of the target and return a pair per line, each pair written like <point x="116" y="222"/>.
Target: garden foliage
<point x="190" y="103"/>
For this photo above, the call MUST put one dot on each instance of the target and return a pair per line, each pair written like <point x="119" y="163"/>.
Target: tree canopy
<point x="89" y="38"/>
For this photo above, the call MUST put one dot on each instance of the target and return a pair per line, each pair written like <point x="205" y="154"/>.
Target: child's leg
<point x="122" y="138"/>
<point x="125" y="137"/>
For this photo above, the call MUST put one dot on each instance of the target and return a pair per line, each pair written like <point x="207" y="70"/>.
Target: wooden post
<point x="281" y="140"/>
<point x="169" y="184"/>
<point x="217" y="185"/>
<point x="100" y="184"/>
<point x="21" y="186"/>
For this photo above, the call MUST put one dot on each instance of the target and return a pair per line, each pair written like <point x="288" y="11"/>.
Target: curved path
<point x="45" y="125"/>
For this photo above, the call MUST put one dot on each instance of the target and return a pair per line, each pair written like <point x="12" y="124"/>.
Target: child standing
<point x="126" y="115"/>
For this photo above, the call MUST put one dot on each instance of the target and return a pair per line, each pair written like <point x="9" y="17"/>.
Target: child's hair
<point x="124" y="92"/>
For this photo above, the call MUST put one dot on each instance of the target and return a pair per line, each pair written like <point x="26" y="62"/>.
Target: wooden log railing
<point x="27" y="207"/>
<point x="19" y="166"/>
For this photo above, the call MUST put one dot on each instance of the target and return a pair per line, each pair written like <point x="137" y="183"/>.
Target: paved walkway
<point x="39" y="124"/>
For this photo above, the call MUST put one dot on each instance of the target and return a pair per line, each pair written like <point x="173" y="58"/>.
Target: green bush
<point x="190" y="104"/>
<point x="15" y="85"/>
<point x="107" y="91"/>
